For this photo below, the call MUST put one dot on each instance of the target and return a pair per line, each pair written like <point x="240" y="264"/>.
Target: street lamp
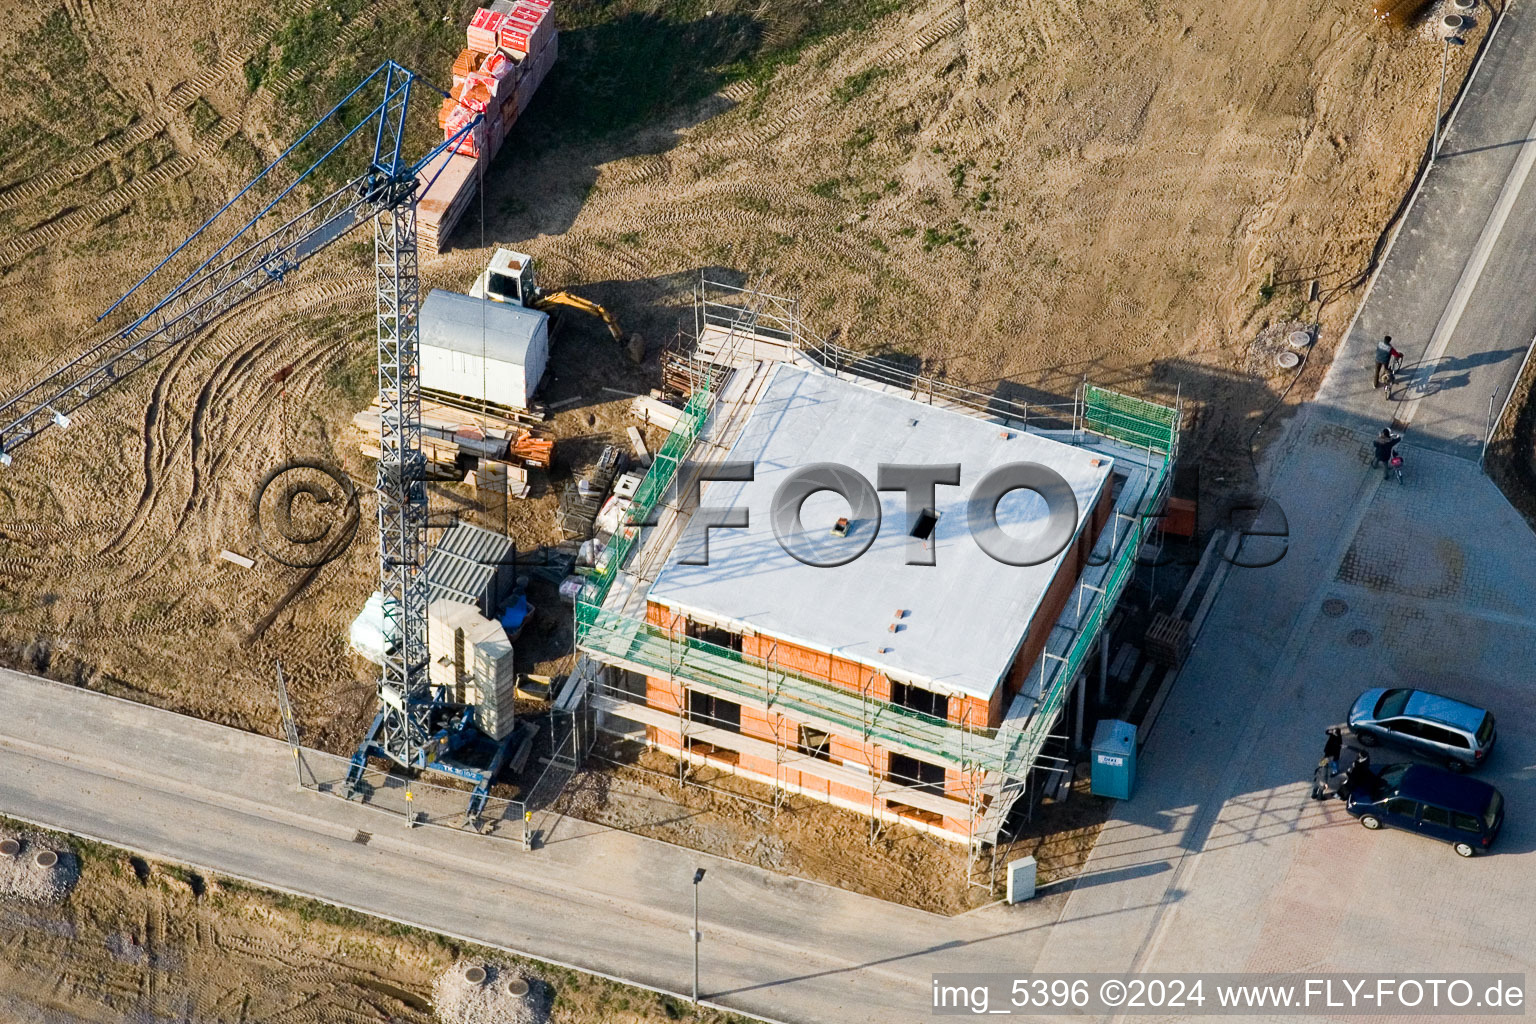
<point x="698" y="876"/>
<point x="1451" y="22"/>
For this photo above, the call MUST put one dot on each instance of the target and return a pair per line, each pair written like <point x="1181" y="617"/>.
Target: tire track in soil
<point x="238" y="340"/>
<point x="754" y="136"/>
<point x="176" y="101"/>
<point x="316" y="296"/>
<point x="209" y="458"/>
<point x="119" y="199"/>
<point x="344" y="42"/>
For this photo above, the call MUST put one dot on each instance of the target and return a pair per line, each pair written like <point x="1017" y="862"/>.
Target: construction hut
<point x="474" y="566"/>
<point x="489" y="351"/>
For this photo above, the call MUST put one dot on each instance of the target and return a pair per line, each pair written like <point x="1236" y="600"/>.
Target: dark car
<point x="1455" y="734"/>
<point x="1467" y="813"/>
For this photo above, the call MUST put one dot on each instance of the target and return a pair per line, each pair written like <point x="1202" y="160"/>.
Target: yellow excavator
<point x="509" y="278"/>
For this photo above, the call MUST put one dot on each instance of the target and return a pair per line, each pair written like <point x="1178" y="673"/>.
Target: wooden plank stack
<point x="456" y="442"/>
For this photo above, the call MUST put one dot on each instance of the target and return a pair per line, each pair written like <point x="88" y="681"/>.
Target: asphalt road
<point x="1219" y="861"/>
<point x="226" y="801"/>
<point x="1457" y="291"/>
<point x="1222" y="860"/>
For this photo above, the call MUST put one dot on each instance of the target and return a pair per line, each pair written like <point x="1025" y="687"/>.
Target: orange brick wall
<point x="852" y="676"/>
<point x="1061" y="590"/>
<point x="760" y="723"/>
<point x="815" y="786"/>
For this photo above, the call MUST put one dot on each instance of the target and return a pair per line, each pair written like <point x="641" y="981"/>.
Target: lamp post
<point x="698" y="876"/>
<point x="1450" y="39"/>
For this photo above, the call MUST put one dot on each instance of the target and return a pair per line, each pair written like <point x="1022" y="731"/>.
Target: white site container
<point x="492" y="351"/>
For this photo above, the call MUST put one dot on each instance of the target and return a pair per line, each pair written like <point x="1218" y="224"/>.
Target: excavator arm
<point x="572" y="300"/>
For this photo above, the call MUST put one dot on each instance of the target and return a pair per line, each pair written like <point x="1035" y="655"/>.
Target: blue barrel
<point x="1114" y="759"/>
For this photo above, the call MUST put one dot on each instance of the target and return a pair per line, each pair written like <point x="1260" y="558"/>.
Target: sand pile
<point x="32" y="869"/>
<point x="476" y="992"/>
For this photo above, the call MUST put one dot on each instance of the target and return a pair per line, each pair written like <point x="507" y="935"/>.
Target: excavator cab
<point x="509" y="278"/>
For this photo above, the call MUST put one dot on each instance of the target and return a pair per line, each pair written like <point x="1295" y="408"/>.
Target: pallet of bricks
<point x="511" y="46"/>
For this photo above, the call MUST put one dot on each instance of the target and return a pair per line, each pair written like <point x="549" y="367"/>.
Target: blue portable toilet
<point x="1114" y="759"/>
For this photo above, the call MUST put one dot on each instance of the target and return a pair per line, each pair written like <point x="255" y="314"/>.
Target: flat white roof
<point x="966" y="615"/>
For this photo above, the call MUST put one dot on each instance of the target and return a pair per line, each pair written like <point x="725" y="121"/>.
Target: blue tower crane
<point x="416" y="726"/>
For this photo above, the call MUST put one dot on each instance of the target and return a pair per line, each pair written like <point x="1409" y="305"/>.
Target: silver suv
<point x="1456" y="735"/>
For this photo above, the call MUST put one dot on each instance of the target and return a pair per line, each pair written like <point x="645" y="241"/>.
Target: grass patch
<point x="827" y="188"/>
<point x="856" y="85"/>
<point x="803" y="26"/>
<point x="957" y="234"/>
<point x="355" y="379"/>
<point x="204" y="117"/>
<point x="860" y="139"/>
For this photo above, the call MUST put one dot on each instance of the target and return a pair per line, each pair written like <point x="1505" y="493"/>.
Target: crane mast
<point x="415" y="725"/>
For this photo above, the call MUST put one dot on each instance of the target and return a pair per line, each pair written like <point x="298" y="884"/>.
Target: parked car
<point x="1457" y="735"/>
<point x="1467" y="813"/>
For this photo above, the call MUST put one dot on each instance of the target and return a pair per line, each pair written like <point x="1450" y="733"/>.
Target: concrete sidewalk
<point x="1427" y="584"/>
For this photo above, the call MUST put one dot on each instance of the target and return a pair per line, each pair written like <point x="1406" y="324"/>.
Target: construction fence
<point x="414" y="802"/>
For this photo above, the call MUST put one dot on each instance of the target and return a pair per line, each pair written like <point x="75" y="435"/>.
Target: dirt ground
<point x="1511" y="456"/>
<point x="1019" y="194"/>
<point x="628" y="787"/>
<point x="143" y="940"/>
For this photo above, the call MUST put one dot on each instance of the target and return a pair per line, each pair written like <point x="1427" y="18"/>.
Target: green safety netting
<point x="635" y="642"/>
<point x="1133" y="420"/>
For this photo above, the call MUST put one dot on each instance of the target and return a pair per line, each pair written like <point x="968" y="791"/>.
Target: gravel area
<point x="35" y="870"/>
<point x="497" y="996"/>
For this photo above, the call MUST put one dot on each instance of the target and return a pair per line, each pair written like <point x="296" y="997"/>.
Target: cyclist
<point x="1385" y="354"/>
<point x="1385" y="444"/>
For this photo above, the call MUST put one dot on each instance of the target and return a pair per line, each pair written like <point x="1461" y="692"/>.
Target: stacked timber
<point x="497" y="451"/>
<point x="681" y="375"/>
<point x="510" y="48"/>
<point x="656" y="412"/>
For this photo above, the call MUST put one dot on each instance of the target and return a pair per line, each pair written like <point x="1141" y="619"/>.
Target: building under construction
<point x="919" y="681"/>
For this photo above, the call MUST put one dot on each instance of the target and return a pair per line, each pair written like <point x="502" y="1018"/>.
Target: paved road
<point x="1235" y="869"/>
<point x="1220" y="861"/>
<point x="606" y="901"/>
<point x="1457" y="292"/>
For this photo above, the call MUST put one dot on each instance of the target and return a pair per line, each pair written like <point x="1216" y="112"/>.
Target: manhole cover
<point x="1300" y="339"/>
<point x="1360" y="638"/>
<point x="1334" y="607"/>
<point x="361" y="839"/>
<point x="1451" y="24"/>
<point x="1464" y="5"/>
<point x="515" y="987"/>
<point x="1288" y="360"/>
<point x="474" y="974"/>
<point x="9" y="847"/>
<point x="45" y="858"/>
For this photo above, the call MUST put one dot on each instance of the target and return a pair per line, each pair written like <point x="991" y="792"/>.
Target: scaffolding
<point x="758" y="328"/>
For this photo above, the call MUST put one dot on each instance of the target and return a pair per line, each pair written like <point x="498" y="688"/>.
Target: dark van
<point x="1467" y="813"/>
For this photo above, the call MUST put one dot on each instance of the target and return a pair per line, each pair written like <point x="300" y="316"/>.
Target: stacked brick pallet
<point x="511" y="46"/>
